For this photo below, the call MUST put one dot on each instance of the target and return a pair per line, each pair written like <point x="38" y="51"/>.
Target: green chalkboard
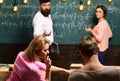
<point x="68" y="22"/>
<point x="16" y="27"/>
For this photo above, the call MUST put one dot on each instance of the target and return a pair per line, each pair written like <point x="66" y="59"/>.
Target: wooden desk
<point x="4" y="71"/>
<point x="78" y="66"/>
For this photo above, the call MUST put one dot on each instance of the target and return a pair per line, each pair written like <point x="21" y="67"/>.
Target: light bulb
<point x="88" y="2"/>
<point x="110" y="1"/>
<point x="1" y="1"/>
<point x="25" y="1"/>
<point x="63" y="0"/>
<point x="15" y="8"/>
<point x="81" y="7"/>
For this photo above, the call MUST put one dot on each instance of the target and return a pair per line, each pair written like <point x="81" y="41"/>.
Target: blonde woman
<point x="28" y="67"/>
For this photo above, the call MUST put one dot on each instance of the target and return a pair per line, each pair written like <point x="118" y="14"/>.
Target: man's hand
<point x="47" y="32"/>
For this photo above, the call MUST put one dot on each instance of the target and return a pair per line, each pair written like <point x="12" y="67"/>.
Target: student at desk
<point x="93" y="70"/>
<point x="27" y="66"/>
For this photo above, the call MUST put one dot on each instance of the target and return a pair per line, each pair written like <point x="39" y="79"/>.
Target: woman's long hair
<point x="35" y="48"/>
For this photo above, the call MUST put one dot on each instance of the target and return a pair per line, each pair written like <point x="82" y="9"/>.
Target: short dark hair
<point x="44" y="1"/>
<point x="88" y="46"/>
<point x="103" y="8"/>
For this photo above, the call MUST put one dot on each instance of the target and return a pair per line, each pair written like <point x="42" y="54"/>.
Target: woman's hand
<point x="88" y="29"/>
<point x="48" y="63"/>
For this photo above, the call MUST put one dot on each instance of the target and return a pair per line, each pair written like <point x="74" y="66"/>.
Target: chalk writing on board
<point x="68" y="19"/>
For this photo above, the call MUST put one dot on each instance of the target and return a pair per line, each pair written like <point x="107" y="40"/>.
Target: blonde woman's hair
<point x="35" y="47"/>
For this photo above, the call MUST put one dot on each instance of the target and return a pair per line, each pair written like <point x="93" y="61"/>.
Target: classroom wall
<point x="68" y="54"/>
<point x="16" y="31"/>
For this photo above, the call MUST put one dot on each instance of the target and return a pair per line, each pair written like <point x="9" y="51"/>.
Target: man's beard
<point x="45" y="12"/>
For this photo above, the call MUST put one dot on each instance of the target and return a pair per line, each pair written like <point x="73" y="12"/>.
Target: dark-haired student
<point x="102" y="31"/>
<point x="93" y="70"/>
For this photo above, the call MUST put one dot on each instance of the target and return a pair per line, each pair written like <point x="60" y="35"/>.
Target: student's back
<point x="93" y="70"/>
<point x="106" y="74"/>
